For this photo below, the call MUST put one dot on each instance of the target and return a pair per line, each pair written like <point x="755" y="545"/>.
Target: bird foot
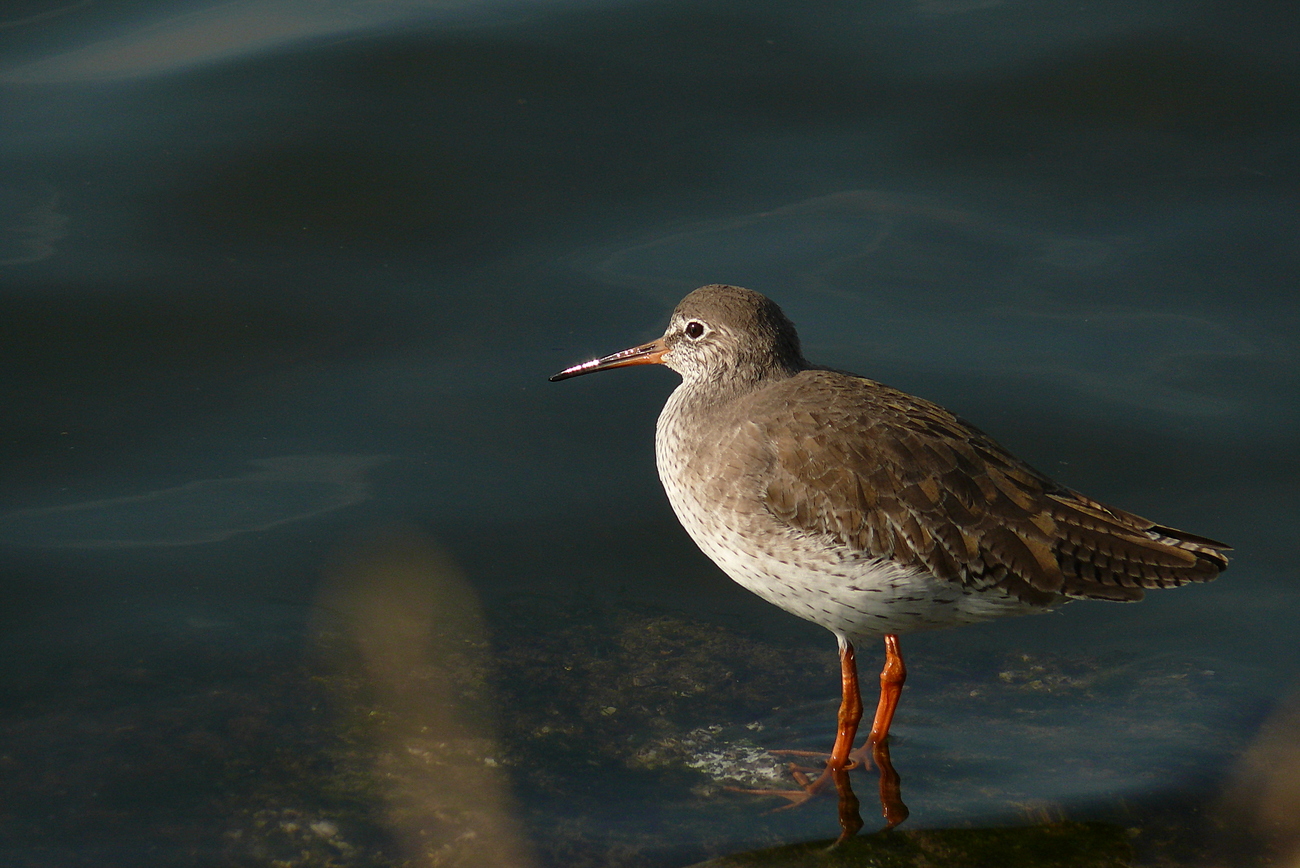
<point x="856" y="758"/>
<point x="866" y="756"/>
<point x="808" y="787"/>
<point x="870" y="754"/>
<point x="849" y="814"/>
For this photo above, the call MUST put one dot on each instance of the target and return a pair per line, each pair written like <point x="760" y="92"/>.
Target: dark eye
<point x="694" y="329"/>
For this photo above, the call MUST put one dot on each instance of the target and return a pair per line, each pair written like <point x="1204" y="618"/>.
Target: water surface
<point x="303" y="558"/>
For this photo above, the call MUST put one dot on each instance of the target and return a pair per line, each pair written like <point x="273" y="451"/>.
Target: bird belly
<point x="850" y="592"/>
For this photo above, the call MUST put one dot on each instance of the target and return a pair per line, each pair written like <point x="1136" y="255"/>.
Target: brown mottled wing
<point x="895" y="476"/>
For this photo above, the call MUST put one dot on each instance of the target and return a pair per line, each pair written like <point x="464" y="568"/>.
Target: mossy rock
<point x="1052" y="845"/>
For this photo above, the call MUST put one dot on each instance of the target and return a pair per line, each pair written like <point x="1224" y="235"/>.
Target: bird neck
<point x="705" y="391"/>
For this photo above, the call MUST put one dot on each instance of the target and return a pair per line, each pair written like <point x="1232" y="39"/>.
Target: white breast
<point x="848" y="592"/>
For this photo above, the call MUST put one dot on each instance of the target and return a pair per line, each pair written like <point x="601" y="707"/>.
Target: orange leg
<point x="843" y="757"/>
<point x="850" y="708"/>
<point x="891" y="688"/>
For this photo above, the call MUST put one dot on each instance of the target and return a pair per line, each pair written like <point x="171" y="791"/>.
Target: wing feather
<point x="897" y="477"/>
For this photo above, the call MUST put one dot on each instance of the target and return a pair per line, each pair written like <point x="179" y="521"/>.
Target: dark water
<point x="304" y="560"/>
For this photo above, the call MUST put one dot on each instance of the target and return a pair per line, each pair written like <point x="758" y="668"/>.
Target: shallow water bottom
<point x="377" y="728"/>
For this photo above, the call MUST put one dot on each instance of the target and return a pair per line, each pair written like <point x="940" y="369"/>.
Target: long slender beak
<point x="646" y="354"/>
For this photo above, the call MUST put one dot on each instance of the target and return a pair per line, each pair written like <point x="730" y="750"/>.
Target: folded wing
<point x="894" y="476"/>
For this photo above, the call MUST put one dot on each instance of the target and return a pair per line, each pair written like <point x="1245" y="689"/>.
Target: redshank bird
<point x="867" y="510"/>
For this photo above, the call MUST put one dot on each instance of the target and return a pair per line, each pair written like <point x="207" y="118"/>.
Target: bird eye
<point x="694" y="329"/>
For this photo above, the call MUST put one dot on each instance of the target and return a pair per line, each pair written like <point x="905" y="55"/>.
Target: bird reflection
<point x="891" y="788"/>
<point x="892" y="807"/>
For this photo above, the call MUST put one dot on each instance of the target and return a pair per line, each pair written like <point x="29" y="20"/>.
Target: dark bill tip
<point x="647" y="354"/>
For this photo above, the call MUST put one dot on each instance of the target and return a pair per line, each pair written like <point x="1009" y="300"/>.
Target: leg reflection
<point x="892" y="807"/>
<point x="891" y="786"/>
<point x="850" y="815"/>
